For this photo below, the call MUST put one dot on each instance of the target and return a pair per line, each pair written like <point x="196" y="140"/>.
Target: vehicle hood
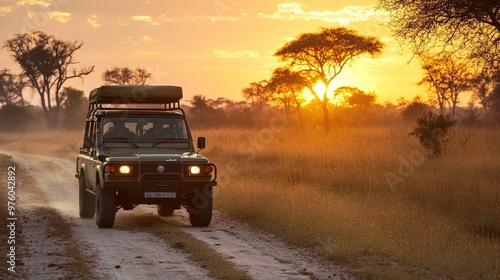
<point x="154" y="155"/>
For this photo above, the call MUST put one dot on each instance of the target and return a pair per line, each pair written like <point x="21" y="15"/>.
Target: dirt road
<point x="129" y="252"/>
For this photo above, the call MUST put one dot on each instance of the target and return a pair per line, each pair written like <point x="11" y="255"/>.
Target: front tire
<point x="164" y="210"/>
<point x="105" y="207"/>
<point x="86" y="199"/>
<point x="200" y="205"/>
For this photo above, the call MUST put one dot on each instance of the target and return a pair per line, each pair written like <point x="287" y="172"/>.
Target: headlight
<point x="194" y="170"/>
<point x="125" y="169"/>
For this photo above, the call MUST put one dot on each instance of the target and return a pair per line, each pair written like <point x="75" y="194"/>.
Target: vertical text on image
<point x="11" y="218"/>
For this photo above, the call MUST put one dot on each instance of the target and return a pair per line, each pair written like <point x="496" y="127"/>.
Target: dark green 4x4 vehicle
<point x="138" y="149"/>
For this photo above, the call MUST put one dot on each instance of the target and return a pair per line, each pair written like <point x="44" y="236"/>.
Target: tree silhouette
<point x="494" y="101"/>
<point x="287" y="87"/>
<point x="323" y="55"/>
<point x="359" y="99"/>
<point x="446" y="77"/>
<point x="415" y="109"/>
<point x="259" y="93"/>
<point x="45" y="62"/>
<point x="470" y="27"/>
<point x="11" y="88"/>
<point x="203" y="107"/>
<point x="126" y="76"/>
<point x="74" y="104"/>
<point x="340" y="95"/>
<point x="483" y="85"/>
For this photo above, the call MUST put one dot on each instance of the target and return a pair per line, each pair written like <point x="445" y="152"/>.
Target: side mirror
<point x="201" y="143"/>
<point x="87" y="143"/>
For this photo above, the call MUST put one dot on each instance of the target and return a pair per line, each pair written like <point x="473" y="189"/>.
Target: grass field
<point x="368" y="198"/>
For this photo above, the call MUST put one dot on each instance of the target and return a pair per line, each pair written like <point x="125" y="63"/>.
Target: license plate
<point x="160" y="195"/>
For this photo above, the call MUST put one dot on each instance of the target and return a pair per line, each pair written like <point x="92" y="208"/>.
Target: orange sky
<point x="210" y="47"/>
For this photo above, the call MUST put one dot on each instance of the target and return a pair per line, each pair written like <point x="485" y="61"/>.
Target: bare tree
<point x="469" y="27"/>
<point x="45" y="62"/>
<point x="323" y="55"/>
<point x="11" y="88"/>
<point x="259" y="93"/>
<point x="446" y="77"/>
<point x="126" y="76"/>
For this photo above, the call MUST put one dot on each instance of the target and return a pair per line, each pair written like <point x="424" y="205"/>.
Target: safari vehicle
<point x="138" y="149"/>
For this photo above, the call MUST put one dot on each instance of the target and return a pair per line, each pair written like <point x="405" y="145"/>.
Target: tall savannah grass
<point x="59" y="143"/>
<point x="367" y="198"/>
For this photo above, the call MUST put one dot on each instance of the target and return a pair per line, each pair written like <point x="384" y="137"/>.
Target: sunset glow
<point x="213" y="48"/>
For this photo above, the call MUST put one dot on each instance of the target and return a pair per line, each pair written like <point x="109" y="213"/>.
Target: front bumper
<point x="146" y="178"/>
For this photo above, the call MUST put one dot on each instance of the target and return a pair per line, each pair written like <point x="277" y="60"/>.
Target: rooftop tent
<point x="125" y="94"/>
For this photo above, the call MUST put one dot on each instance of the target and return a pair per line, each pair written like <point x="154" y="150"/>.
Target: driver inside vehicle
<point x="155" y="132"/>
<point x="119" y="130"/>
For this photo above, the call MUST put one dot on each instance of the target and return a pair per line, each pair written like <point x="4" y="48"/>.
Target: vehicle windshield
<point x="144" y="129"/>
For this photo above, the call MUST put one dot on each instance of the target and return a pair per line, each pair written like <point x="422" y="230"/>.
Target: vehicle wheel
<point x="86" y="199"/>
<point x="164" y="210"/>
<point x="105" y="207"/>
<point x="200" y="206"/>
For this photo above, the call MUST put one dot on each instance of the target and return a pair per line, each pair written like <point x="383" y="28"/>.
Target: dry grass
<point x="366" y="197"/>
<point x="369" y="197"/>
<point x="60" y="143"/>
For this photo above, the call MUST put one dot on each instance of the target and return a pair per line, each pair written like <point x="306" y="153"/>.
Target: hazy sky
<point x="210" y="47"/>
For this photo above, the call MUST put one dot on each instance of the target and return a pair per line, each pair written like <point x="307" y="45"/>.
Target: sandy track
<point x="113" y="253"/>
<point x="125" y="253"/>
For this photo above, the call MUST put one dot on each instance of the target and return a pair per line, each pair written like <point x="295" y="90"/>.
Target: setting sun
<point x="340" y="81"/>
<point x="320" y="88"/>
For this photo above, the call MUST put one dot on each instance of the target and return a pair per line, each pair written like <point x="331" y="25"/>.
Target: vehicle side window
<point x="89" y="137"/>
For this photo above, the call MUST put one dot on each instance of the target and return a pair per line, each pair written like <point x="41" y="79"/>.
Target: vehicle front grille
<point x="152" y="168"/>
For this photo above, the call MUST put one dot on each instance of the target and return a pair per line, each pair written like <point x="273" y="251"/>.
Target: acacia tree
<point x="11" y="88"/>
<point x="342" y="94"/>
<point x="360" y="100"/>
<point x="469" y="27"/>
<point x="45" y="61"/>
<point x="287" y="87"/>
<point x="446" y="78"/>
<point x="259" y="93"/>
<point x="322" y="56"/>
<point x="126" y="76"/>
<point x="203" y="107"/>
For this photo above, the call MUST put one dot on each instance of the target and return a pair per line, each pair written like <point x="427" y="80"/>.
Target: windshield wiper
<point x="121" y="138"/>
<point x="165" y="140"/>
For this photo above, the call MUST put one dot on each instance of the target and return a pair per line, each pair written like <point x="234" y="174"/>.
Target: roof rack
<point x="126" y="97"/>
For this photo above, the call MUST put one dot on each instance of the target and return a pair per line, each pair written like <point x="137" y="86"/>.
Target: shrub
<point x="432" y="132"/>
<point x="414" y="110"/>
<point x="14" y="118"/>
